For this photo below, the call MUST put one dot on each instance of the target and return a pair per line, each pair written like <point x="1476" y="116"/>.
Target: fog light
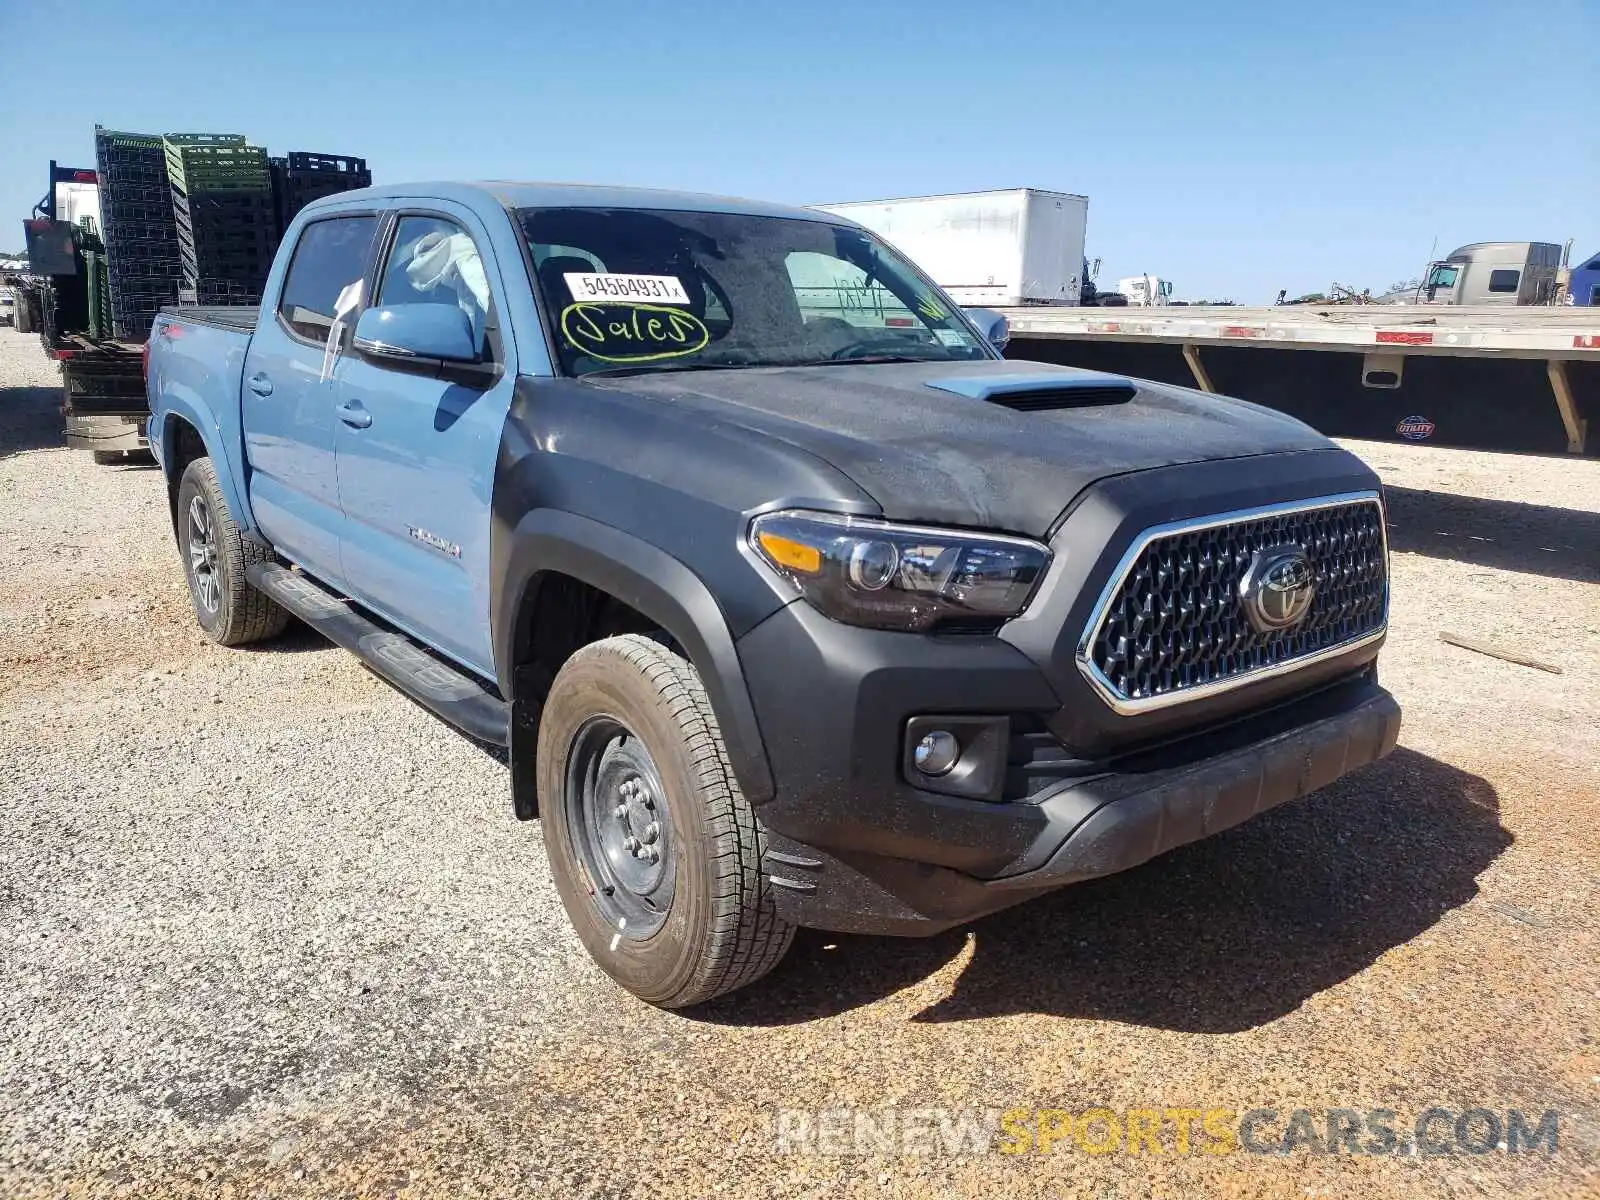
<point x="936" y="753"/>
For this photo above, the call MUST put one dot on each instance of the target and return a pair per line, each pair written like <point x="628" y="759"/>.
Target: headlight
<point x="867" y="572"/>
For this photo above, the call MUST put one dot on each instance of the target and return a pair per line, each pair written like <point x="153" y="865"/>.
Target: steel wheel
<point x="203" y="555"/>
<point x="664" y="884"/>
<point x="617" y="806"/>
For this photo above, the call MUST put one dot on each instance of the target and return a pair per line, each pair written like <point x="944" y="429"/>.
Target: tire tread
<point x="251" y="615"/>
<point x="748" y="937"/>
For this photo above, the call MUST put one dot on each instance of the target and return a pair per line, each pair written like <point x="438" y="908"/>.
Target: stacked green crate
<point x="215" y="162"/>
<point x="96" y="280"/>
<point x="99" y="280"/>
<point x="91" y="260"/>
<point x="223" y="204"/>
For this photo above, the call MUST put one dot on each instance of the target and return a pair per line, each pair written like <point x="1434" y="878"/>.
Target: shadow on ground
<point x="297" y="639"/>
<point x="300" y="638"/>
<point x="1220" y="936"/>
<point x="30" y="419"/>
<point x="1562" y="543"/>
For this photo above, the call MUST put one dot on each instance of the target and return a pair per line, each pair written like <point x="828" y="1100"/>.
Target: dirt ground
<point x="267" y="929"/>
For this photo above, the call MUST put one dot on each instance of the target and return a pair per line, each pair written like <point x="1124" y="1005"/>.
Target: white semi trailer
<point x="1014" y="248"/>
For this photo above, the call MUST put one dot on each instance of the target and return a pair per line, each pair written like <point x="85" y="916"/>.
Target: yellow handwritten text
<point x="631" y="333"/>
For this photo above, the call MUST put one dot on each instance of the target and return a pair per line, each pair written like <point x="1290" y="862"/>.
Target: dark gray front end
<point x="1198" y="725"/>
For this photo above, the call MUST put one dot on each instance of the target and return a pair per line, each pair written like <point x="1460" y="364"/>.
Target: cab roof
<point x="583" y="195"/>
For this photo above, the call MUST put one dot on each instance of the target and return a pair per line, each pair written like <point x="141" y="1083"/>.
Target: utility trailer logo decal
<point x="1415" y="429"/>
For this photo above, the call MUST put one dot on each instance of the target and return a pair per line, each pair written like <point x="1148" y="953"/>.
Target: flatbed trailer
<point x="103" y="402"/>
<point x="1525" y="379"/>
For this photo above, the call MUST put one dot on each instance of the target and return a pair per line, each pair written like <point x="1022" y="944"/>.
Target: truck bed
<point x="240" y="318"/>
<point x="79" y="345"/>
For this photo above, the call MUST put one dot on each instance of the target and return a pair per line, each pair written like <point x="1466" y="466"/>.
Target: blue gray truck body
<point x="1159" y="611"/>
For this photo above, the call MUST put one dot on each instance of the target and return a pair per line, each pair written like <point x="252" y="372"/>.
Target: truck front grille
<point x="1174" y="622"/>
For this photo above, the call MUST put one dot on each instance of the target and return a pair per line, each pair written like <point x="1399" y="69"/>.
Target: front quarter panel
<point x="649" y="504"/>
<point x="676" y="480"/>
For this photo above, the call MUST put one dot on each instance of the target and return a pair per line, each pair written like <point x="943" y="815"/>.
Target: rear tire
<point x="215" y="555"/>
<point x="630" y="762"/>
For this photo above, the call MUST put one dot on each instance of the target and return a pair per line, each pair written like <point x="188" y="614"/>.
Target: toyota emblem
<point x="1277" y="589"/>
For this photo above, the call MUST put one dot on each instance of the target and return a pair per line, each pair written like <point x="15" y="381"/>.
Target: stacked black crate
<point x="278" y="169"/>
<point x="141" y="237"/>
<point x="303" y="177"/>
<point x="227" y="226"/>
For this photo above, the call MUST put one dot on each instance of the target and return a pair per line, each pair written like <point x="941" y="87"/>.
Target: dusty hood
<point x="927" y="453"/>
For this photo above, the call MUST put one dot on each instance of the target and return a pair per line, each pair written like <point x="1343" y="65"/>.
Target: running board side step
<point x="443" y="689"/>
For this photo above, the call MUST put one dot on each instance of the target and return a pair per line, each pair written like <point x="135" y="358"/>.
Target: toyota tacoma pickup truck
<point x="793" y="602"/>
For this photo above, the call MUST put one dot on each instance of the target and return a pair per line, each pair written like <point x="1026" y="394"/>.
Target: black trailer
<point x="68" y="302"/>
<point x="103" y="403"/>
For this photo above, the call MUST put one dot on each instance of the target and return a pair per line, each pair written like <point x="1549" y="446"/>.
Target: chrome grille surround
<point x="1168" y="627"/>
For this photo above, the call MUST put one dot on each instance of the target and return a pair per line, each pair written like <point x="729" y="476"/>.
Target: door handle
<point x="355" y="415"/>
<point x="260" y="384"/>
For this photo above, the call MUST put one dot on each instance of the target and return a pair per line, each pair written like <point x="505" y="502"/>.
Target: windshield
<point x="644" y="289"/>
<point x="1443" y="277"/>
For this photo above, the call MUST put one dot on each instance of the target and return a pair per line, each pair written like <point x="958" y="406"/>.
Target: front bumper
<point x="859" y="841"/>
<point x="853" y="846"/>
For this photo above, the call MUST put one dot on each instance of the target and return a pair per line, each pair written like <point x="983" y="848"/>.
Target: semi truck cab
<point x="1499" y="273"/>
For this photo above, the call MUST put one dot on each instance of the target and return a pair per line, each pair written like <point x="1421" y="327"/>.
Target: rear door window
<point x="331" y="255"/>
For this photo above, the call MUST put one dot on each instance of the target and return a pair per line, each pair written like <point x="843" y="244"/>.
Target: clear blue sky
<point x="1234" y="148"/>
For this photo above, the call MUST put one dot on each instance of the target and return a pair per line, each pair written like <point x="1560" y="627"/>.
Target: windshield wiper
<point x="649" y="368"/>
<point x="858" y="359"/>
<point x="663" y="368"/>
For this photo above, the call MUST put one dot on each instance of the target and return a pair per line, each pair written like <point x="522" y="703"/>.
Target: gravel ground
<point x="268" y="929"/>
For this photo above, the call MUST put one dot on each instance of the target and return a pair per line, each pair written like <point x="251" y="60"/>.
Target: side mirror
<point x="994" y="327"/>
<point x="416" y="334"/>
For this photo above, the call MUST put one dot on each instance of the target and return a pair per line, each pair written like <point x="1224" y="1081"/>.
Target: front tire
<point x="653" y="847"/>
<point x="215" y="555"/>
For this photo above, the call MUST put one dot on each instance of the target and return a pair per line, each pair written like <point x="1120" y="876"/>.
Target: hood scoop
<point x="1038" y="391"/>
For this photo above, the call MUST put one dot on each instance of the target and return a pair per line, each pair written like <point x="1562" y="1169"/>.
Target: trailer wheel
<point x="215" y="555"/>
<point x="653" y="847"/>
